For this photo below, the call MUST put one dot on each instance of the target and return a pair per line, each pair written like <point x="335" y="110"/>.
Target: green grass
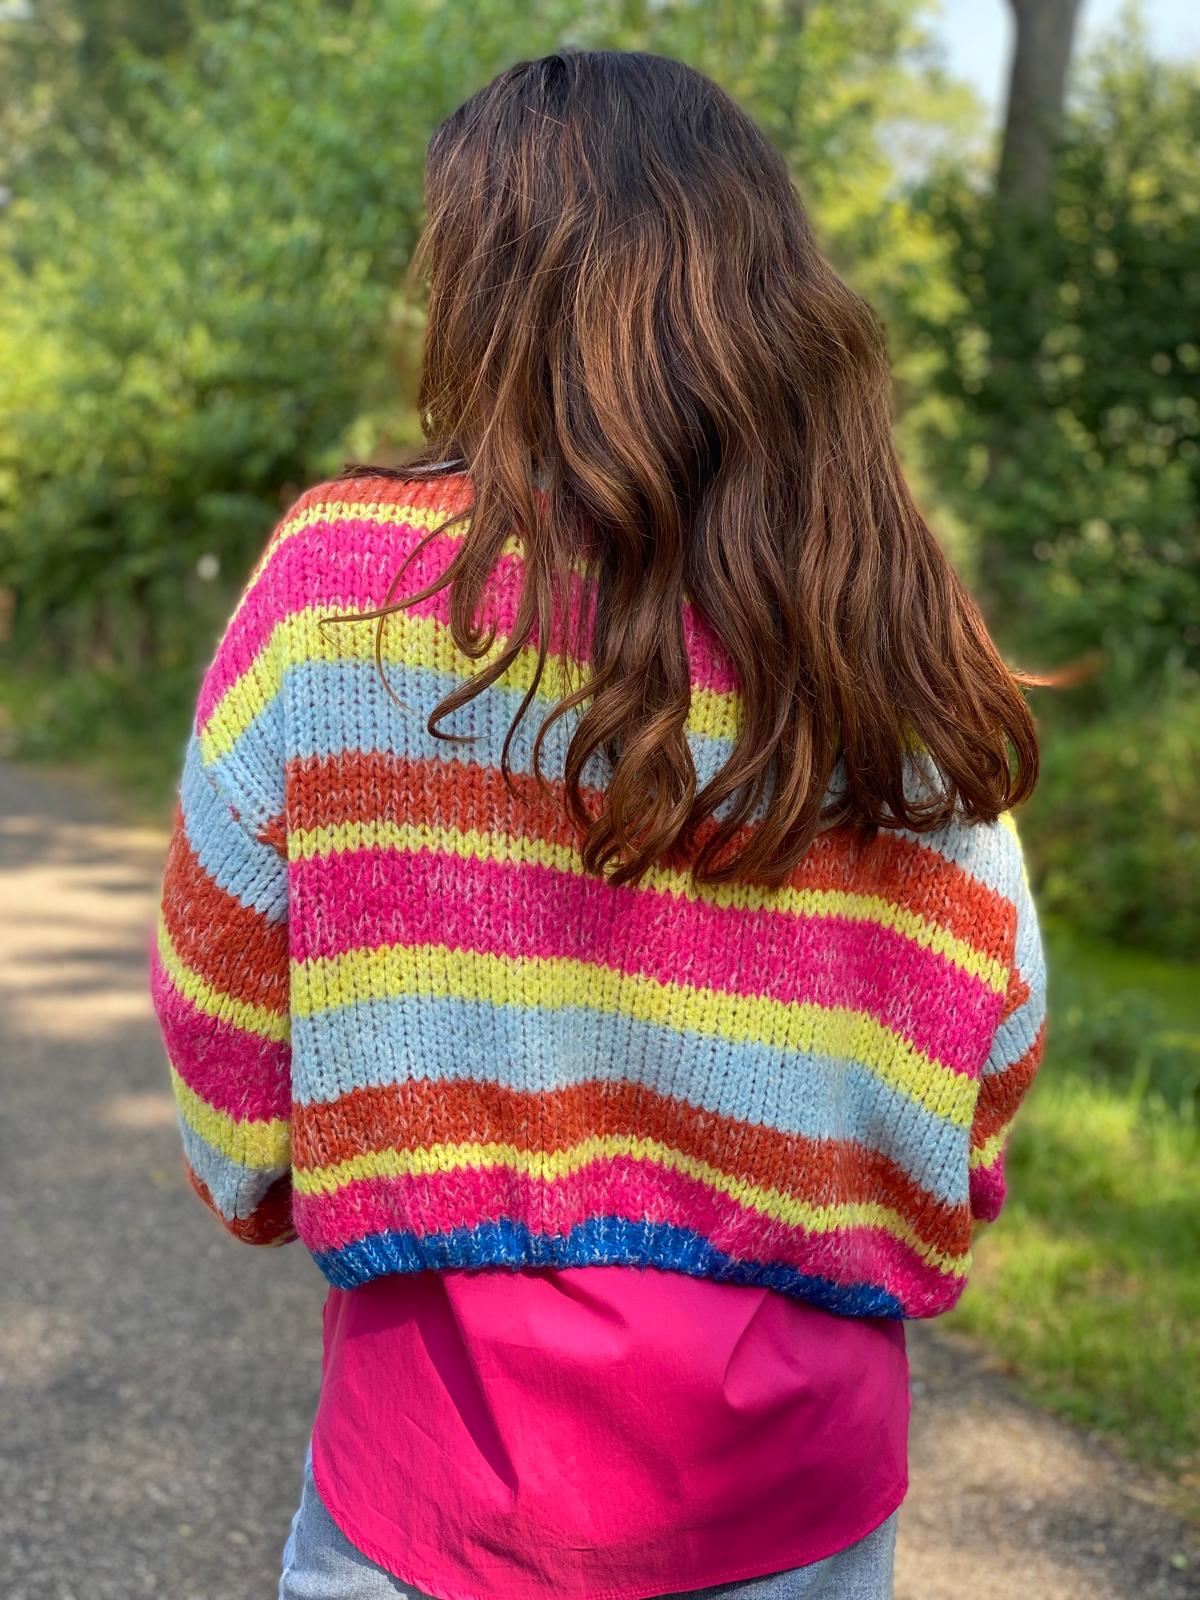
<point x="1089" y="1283"/>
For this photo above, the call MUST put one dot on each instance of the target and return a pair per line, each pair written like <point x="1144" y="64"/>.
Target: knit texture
<point x="405" y="1024"/>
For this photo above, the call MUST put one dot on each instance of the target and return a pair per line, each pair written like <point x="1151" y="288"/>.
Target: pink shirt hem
<point x="804" y="1556"/>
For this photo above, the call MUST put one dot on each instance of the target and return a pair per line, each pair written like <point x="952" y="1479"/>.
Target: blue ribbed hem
<point x="598" y="1242"/>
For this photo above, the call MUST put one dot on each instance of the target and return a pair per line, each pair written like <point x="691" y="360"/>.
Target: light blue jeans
<point x="320" y="1563"/>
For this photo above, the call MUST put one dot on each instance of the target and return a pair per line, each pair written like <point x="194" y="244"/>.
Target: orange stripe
<point x="817" y="1171"/>
<point x="357" y="786"/>
<point x="234" y="948"/>
<point x="1015" y="996"/>
<point x="1001" y="1093"/>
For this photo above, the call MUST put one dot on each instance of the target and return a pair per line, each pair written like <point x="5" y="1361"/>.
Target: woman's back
<point x="498" y="1058"/>
<point x="593" y="923"/>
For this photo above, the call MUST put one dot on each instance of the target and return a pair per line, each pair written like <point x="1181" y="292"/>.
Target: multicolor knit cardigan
<point x="405" y="1025"/>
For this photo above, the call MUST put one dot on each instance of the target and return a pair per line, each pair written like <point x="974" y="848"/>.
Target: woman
<point x="593" y="925"/>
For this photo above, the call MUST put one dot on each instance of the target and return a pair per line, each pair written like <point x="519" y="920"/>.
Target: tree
<point x="1018" y="288"/>
<point x="1045" y="34"/>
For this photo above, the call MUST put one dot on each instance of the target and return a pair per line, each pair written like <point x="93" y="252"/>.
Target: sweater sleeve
<point x="1015" y="1053"/>
<point x="220" y="963"/>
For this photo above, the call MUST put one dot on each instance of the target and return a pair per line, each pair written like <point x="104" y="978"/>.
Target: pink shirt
<point x="602" y="1431"/>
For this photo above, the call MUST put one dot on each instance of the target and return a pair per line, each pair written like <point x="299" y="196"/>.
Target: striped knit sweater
<point x="406" y="1026"/>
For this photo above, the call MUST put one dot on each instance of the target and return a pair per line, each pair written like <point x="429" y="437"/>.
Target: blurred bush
<point x="193" y="321"/>
<point x="200" y="290"/>
<point x="1061" y="425"/>
<point x="1069" y="371"/>
<point x="1128" y="1022"/>
<point x="1115" y="840"/>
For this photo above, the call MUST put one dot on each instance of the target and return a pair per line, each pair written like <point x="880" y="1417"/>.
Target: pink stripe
<point x="239" y="1073"/>
<point x="371" y="898"/>
<point x="348" y="565"/>
<point x="988" y="1189"/>
<point x="622" y="1187"/>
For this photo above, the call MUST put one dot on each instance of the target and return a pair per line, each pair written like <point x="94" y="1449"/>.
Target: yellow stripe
<point x="263" y="1145"/>
<point x="237" y="708"/>
<point x="988" y="1153"/>
<point x="214" y="1002"/>
<point x="327" y="983"/>
<point x="408" y="641"/>
<point x="1009" y="821"/>
<point x="549" y="1165"/>
<point x="476" y="845"/>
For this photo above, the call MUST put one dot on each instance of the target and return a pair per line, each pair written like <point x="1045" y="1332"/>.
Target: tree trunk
<point x="1019" y="270"/>
<point x="1036" y="92"/>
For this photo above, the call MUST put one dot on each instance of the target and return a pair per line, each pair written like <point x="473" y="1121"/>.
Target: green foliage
<point x="212" y="314"/>
<point x="63" y="79"/>
<point x="1068" y="360"/>
<point x="1114" y="830"/>
<point x="193" y="331"/>
<point x="125" y="730"/>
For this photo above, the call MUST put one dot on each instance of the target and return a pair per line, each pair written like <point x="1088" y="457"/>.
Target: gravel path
<point x="158" y="1380"/>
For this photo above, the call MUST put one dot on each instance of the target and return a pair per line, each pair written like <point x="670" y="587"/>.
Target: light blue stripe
<point x="1017" y="1032"/>
<point x="253" y="772"/>
<point x="253" y="873"/>
<point x="986" y="850"/>
<point x="380" y="1042"/>
<point x="237" y="1191"/>
<point x="333" y="706"/>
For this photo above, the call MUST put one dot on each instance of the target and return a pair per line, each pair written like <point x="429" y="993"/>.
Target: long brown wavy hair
<point x="654" y="378"/>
